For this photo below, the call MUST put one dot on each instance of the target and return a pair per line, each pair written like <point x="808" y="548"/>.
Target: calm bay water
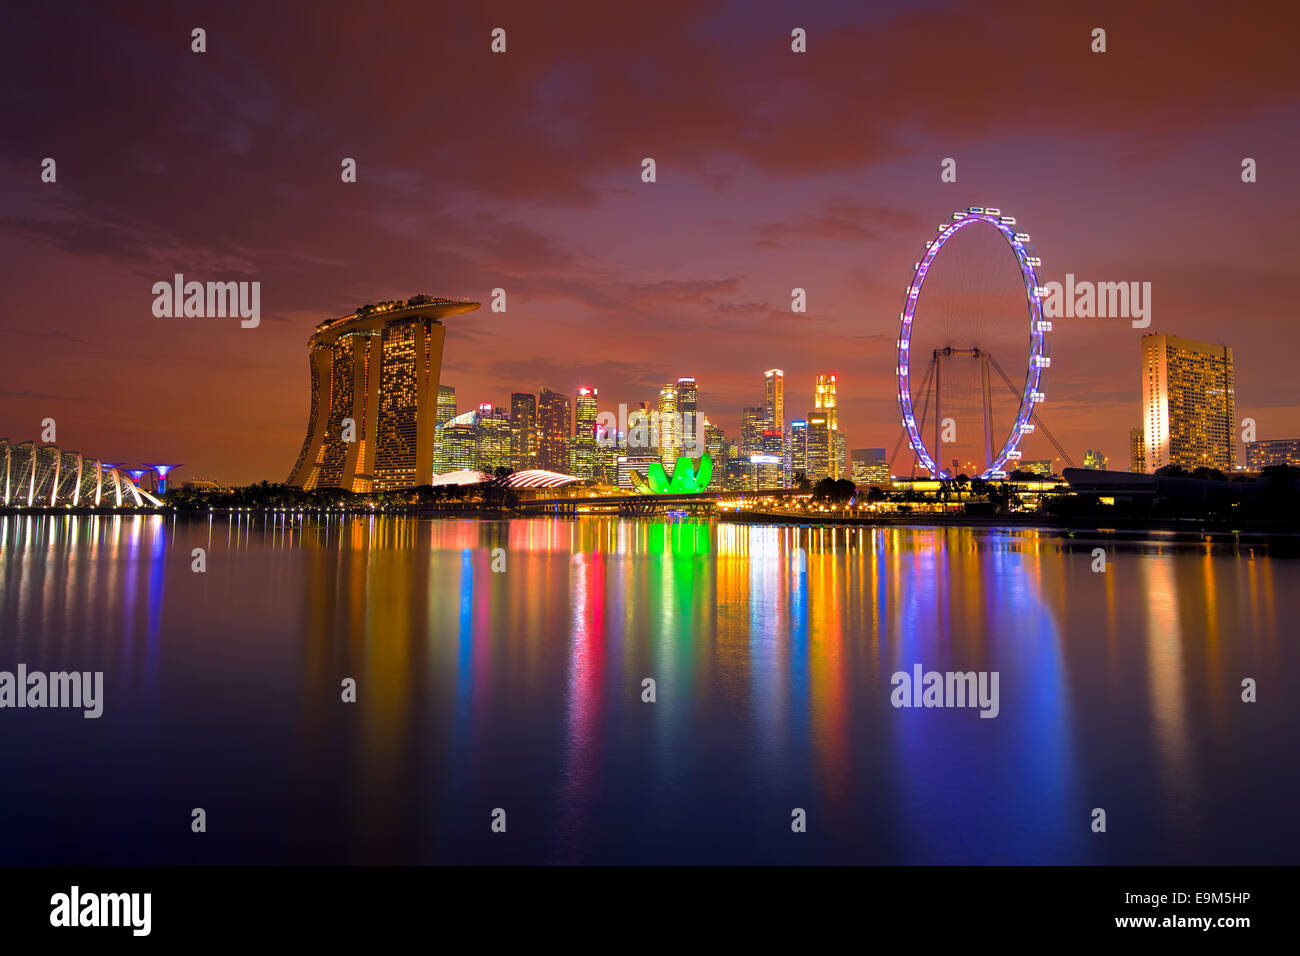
<point x="522" y="690"/>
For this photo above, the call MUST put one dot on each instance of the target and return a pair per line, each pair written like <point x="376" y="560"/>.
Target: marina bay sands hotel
<point x="374" y="395"/>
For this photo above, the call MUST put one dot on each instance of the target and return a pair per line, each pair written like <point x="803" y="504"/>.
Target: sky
<point x="522" y="170"/>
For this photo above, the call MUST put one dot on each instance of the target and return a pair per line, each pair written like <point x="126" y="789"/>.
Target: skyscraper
<point x="819" y="458"/>
<point x="798" y="449"/>
<point x="446" y="404"/>
<point x="774" y="398"/>
<point x="1188" y="404"/>
<point x="826" y="400"/>
<point x="582" y="454"/>
<point x="374" y="392"/>
<point x="492" y="439"/>
<point x="523" y="430"/>
<point x="753" y="419"/>
<point x="554" y="428"/>
<point x="687" y="408"/>
<point x="670" y="439"/>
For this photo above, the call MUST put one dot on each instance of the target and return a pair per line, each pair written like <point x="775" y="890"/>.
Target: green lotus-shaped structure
<point x="685" y="478"/>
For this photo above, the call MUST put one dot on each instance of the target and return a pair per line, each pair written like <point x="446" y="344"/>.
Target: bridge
<point x="698" y="502"/>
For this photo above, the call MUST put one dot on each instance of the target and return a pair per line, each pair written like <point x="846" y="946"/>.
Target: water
<point x="522" y="690"/>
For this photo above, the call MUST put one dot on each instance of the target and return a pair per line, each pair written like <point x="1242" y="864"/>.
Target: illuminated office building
<point x="798" y="449"/>
<point x="642" y="425"/>
<point x="753" y="419"/>
<point x="1136" y="451"/>
<point x="446" y="410"/>
<point x="869" y="466"/>
<point x="492" y="439"/>
<point x="1282" y="451"/>
<point x="1094" y="460"/>
<point x="523" y="430"/>
<point x="374" y="395"/>
<point x="774" y="399"/>
<point x="1188" y="404"/>
<point x="582" y="447"/>
<point x="670" y="439"/>
<point x="688" y="410"/>
<point x="554" y="429"/>
<point x="768" y="472"/>
<point x="716" y="444"/>
<point x="826" y="400"/>
<point x="458" y="443"/>
<point x="820" y="456"/>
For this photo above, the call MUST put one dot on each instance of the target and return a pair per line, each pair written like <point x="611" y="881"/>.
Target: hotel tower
<point x="374" y="396"/>
<point x="1188" y="404"/>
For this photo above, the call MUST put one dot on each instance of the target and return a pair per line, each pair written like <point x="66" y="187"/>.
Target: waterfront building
<point x="1188" y="404"/>
<point x="826" y="401"/>
<point x="374" y="392"/>
<point x="1279" y="451"/>
<point x="869" y="466"/>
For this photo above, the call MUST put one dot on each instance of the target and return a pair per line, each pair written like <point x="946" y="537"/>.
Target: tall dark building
<point x="688" y="409"/>
<point x="523" y="430"/>
<point x="554" y="427"/>
<point x="374" y="393"/>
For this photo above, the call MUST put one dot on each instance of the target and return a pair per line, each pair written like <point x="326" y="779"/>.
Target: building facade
<point x="374" y="396"/>
<point x="554" y="428"/>
<point x="1280" y="451"/>
<point x="1188" y="404"/>
<point x="523" y="430"/>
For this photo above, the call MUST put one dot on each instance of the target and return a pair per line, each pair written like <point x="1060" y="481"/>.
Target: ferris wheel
<point x="1029" y="397"/>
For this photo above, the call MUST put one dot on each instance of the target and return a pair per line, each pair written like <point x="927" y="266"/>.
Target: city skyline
<point x="761" y="189"/>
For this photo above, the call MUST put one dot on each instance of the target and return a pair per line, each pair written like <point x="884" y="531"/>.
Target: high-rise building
<point x="492" y="439"/>
<point x="670" y="439"/>
<point x="642" y="430"/>
<point x="774" y="399"/>
<point x="1279" y="451"/>
<point x="1094" y="459"/>
<point x="688" y="409"/>
<point x="554" y="428"/>
<point x="446" y="410"/>
<point x="753" y="418"/>
<point x="523" y="430"/>
<point x="583" y="448"/>
<point x="1136" y="451"/>
<point x="1188" y="404"/>
<point x="798" y="449"/>
<point x="869" y="466"/>
<point x="820" y="458"/>
<point x="826" y="399"/>
<point x="768" y="472"/>
<point x="374" y="396"/>
<point x="458" y="443"/>
<point x="716" y="444"/>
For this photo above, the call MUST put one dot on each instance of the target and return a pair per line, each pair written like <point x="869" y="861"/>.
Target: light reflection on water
<point x="771" y="650"/>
